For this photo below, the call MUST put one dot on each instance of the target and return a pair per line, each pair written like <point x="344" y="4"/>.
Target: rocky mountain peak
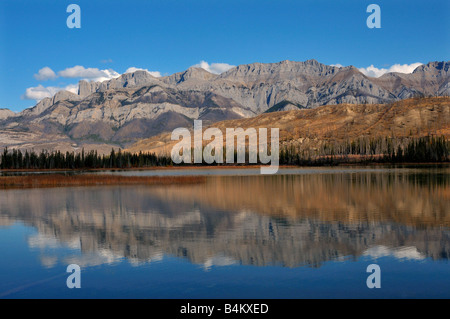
<point x="127" y="80"/>
<point x="191" y="74"/>
<point x="47" y="102"/>
<point x="436" y="67"/>
<point x="134" y="79"/>
<point x="285" y="70"/>
<point x="85" y="87"/>
<point x="65" y="95"/>
<point x="5" y="113"/>
<point x="198" y="74"/>
<point x="312" y="62"/>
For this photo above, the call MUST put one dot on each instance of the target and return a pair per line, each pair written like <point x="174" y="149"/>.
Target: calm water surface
<point x="304" y="233"/>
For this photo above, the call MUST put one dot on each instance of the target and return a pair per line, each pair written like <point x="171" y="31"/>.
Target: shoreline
<point x="228" y="167"/>
<point x="58" y="180"/>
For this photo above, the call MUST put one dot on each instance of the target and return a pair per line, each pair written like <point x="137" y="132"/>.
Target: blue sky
<point x="169" y="36"/>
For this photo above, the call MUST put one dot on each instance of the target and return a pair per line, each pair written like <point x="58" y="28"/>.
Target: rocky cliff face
<point x="5" y="113"/>
<point x="138" y="105"/>
<point x="427" y="79"/>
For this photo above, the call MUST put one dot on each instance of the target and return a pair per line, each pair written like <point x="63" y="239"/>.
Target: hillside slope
<point x="412" y="117"/>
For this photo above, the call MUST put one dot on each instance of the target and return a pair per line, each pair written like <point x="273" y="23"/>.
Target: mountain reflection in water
<point x="284" y="220"/>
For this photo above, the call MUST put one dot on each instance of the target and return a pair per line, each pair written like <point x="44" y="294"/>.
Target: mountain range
<point x="121" y="111"/>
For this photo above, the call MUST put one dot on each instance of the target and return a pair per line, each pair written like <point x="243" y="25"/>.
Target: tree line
<point x="16" y="159"/>
<point x="364" y="149"/>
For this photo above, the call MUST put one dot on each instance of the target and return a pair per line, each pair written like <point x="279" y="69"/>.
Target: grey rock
<point x="5" y="113"/>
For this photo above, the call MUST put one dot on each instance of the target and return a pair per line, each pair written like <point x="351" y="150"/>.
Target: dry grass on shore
<point x="60" y="180"/>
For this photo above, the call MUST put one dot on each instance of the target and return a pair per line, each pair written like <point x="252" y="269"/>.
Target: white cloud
<point x="42" y="241"/>
<point x="78" y="71"/>
<point x="404" y="68"/>
<point x="337" y="65"/>
<point x="92" y="74"/>
<point x="107" y="75"/>
<point x="405" y="252"/>
<point x="215" y="68"/>
<point x="401" y="68"/>
<point x="156" y="74"/>
<point x="40" y="92"/>
<point x="45" y="74"/>
<point x="71" y="88"/>
<point x="96" y="258"/>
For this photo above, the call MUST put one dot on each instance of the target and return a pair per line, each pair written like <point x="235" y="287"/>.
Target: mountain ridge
<point x="105" y="111"/>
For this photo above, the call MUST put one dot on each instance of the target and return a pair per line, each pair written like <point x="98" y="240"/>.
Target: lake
<point x="303" y="233"/>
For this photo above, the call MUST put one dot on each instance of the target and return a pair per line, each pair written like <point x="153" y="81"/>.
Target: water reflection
<point x="286" y="220"/>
